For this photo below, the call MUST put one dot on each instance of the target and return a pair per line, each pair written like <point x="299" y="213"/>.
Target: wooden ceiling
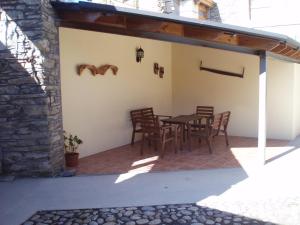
<point x="145" y="26"/>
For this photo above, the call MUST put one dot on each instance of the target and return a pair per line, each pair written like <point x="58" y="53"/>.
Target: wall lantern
<point x="139" y="54"/>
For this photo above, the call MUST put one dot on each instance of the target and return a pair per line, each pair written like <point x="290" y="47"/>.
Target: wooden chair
<point x="153" y="131"/>
<point x="146" y="112"/>
<point x="224" y="124"/>
<point x="206" y="111"/>
<point x="136" y="116"/>
<point x="211" y="129"/>
<point x="149" y="112"/>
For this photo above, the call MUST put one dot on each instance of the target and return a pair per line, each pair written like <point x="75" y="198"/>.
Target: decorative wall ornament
<point x="222" y="72"/>
<point x="100" y="70"/>
<point x="161" y="72"/>
<point x="155" y="68"/>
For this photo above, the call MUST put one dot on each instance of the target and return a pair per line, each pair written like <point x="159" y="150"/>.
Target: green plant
<point x="71" y="142"/>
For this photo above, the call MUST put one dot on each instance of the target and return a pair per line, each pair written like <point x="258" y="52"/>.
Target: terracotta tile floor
<point x="241" y="152"/>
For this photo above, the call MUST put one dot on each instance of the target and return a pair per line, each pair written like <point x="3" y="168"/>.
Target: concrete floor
<point x="241" y="188"/>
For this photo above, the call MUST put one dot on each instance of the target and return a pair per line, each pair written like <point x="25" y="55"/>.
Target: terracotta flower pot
<point x="72" y="159"/>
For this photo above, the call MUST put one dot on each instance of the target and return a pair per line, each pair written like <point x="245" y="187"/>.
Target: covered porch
<point x="97" y="107"/>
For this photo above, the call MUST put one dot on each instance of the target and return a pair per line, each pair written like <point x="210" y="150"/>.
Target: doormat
<point x="159" y="214"/>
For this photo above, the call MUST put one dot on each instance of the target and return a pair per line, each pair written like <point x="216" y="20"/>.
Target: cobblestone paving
<point x="279" y="210"/>
<point x="162" y="214"/>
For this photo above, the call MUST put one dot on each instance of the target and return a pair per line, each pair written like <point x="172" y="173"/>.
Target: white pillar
<point x="262" y="108"/>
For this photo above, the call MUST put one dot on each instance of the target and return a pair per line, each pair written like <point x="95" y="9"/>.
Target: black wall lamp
<point x="139" y="54"/>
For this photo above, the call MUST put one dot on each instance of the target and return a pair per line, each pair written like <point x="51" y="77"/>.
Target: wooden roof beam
<point x="286" y="50"/>
<point x="297" y="55"/>
<point x="277" y="49"/>
<point x="256" y="42"/>
<point x="291" y="52"/>
<point x="155" y="26"/>
<point x="210" y="35"/>
<point x="93" y="18"/>
<point x="297" y="50"/>
<point x="112" y="20"/>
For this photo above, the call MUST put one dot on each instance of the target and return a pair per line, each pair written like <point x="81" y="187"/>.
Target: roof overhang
<point x="138" y="23"/>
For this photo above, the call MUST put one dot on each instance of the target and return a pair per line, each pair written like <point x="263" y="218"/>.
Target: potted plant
<point x="71" y="144"/>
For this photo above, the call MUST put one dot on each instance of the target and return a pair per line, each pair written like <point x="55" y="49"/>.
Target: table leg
<point x="183" y="132"/>
<point x="182" y="135"/>
<point x="189" y="136"/>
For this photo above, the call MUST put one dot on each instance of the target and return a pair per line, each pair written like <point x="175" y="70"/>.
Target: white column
<point x="262" y="108"/>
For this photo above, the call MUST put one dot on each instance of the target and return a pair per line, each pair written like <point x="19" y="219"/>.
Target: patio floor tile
<point x="242" y="151"/>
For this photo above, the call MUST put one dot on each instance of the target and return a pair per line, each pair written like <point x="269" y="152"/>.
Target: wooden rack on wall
<point x="222" y="72"/>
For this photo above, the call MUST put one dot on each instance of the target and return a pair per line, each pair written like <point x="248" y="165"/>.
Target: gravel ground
<point x="162" y="214"/>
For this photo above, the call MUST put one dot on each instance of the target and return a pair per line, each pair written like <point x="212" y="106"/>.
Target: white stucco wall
<point x="296" y="103"/>
<point x="193" y="87"/>
<point x="280" y="99"/>
<point x="97" y="108"/>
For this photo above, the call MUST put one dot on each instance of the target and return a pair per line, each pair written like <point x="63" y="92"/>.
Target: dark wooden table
<point x="185" y="122"/>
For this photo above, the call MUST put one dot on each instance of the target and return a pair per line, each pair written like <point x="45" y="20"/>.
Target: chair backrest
<point x="205" y="110"/>
<point x="136" y="116"/>
<point x="147" y="112"/>
<point x="216" y="123"/>
<point x="150" y="125"/>
<point x="225" y="119"/>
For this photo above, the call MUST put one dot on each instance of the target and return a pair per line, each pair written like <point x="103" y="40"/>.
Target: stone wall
<point x="214" y="14"/>
<point x="30" y="100"/>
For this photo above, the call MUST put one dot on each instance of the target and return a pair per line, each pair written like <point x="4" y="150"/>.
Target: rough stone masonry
<point x="31" y="138"/>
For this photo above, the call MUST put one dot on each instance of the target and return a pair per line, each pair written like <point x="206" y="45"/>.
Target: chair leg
<point x="181" y="136"/>
<point x="142" y="145"/>
<point x="132" y="137"/>
<point x="226" y="137"/>
<point x="175" y="144"/>
<point x="155" y="146"/>
<point x="163" y="145"/>
<point x="208" y="141"/>
<point x="183" y="133"/>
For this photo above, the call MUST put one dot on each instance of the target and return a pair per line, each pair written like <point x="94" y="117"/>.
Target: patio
<point x="242" y="152"/>
<point x="97" y="108"/>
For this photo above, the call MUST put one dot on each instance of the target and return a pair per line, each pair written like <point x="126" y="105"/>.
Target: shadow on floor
<point x="288" y="151"/>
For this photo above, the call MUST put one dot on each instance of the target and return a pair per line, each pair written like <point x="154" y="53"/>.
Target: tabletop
<point x="184" y="118"/>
